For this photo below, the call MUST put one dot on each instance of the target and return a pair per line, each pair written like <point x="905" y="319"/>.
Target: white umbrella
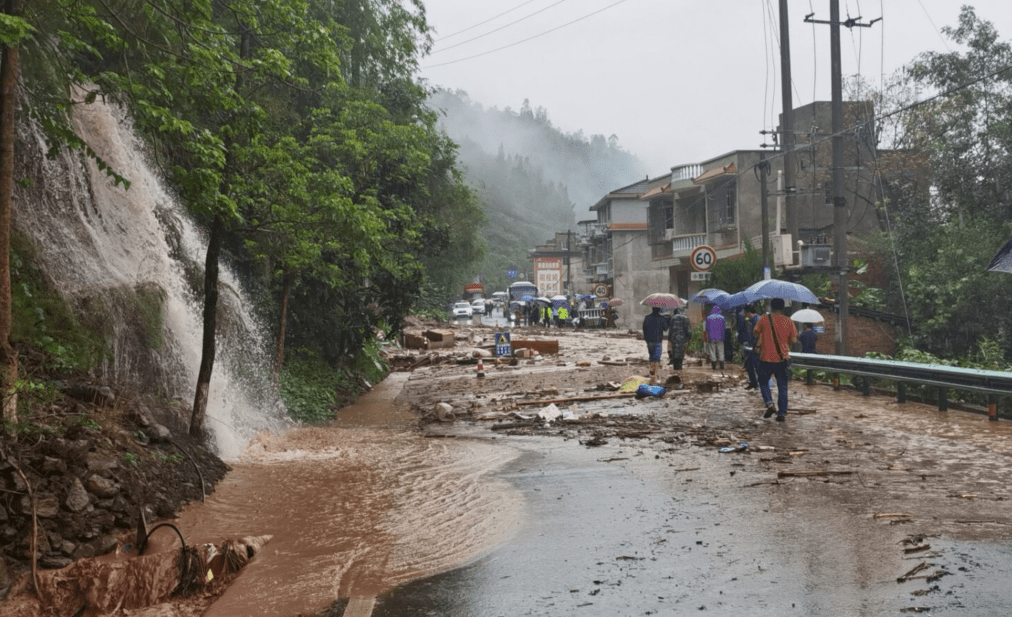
<point x="663" y="300"/>
<point x="807" y="316"/>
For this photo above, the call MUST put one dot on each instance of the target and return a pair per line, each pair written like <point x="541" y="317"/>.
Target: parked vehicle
<point x="462" y="309"/>
<point x="478" y="307"/>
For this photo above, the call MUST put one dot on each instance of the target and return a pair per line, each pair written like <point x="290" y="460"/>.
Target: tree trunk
<point x="279" y="349"/>
<point x="210" y="327"/>
<point x="8" y="93"/>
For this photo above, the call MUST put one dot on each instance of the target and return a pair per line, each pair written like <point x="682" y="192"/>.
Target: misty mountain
<point x="533" y="179"/>
<point x="588" y="167"/>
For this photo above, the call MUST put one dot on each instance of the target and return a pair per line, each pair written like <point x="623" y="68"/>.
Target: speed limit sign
<point x="702" y="258"/>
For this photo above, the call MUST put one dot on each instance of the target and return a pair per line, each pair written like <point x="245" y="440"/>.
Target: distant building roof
<point x="657" y="190"/>
<point x="716" y="172"/>
<point x="633" y="190"/>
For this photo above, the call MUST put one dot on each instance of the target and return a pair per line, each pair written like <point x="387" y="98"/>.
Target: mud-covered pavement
<point x="621" y="506"/>
<point x="823" y="514"/>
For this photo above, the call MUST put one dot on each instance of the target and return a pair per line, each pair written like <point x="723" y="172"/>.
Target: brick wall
<point x="863" y="335"/>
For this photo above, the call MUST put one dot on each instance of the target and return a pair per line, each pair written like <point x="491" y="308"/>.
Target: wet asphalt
<point x="629" y="530"/>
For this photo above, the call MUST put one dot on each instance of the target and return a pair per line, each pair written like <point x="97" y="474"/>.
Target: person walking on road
<point x="713" y="337"/>
<point x="679" y="335"/>
<point x="775" y="333"/>
<point x="730" y="318"/>
<point x="654" y="326"/>
<point x="746" y="326"/>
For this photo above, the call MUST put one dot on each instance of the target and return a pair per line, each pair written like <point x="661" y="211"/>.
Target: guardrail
<point x="991" y="383"/>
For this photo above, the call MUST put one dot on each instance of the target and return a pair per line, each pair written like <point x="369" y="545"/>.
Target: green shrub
<point x="308" y="387"/>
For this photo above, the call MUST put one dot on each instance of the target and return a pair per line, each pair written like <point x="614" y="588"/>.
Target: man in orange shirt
<point x="774" y="333"/>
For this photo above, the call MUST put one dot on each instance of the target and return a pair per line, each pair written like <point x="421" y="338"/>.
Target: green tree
<point x="964" y="139"/>
<point x="13" y="30"/>
<point x="733" y="275"/>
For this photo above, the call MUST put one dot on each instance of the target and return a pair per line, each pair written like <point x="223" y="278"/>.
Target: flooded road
<point x="826" y="514"/>
<point x="355" y="509"/>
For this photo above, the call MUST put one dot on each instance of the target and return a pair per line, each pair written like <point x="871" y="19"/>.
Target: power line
<point x="932" y="22"/>
<point x="499" y="28"/>
<point x="482" y="23"/>
<point x="528" y="38"/>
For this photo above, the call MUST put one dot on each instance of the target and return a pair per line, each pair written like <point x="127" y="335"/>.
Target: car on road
<point x="462" y="309"/>
<point x="478" y="307"/>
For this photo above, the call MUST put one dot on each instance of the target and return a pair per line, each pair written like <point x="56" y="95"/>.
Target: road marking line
<point x="360" y="607"/>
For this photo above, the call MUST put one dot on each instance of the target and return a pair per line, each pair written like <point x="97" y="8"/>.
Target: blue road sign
<point x="511" y="273"/>
<point x="502" y="344"/>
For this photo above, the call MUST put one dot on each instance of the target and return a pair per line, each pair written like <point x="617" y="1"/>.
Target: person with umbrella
<point x="774" y="333"/>
<point x="654" y="326"/>
<point x="679" y="334"/>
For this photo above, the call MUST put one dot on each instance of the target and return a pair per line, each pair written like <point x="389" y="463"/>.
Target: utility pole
<point x="569" y="260"/>
<point x="787" y="140"/>
<point x="839" y="200"/>
<point x="764" y="211"/>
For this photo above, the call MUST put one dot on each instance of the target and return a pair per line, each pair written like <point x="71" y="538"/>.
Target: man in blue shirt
<point x="747" y="339"/>
<point x="808" y="338"/>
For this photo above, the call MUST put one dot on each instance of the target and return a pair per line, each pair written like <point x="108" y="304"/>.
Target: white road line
<point x="360" y="607"/>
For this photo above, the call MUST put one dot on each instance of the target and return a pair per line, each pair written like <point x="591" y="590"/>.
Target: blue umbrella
<point x="735" y="300"/>
<point x="711" y="296"/>
<point x="527" y="298"/>
<point x="774" y="288"/>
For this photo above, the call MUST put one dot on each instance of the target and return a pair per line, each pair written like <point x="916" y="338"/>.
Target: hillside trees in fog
<point x="533" y="180"/>
<point x="588" y="167"/>
<point x="295" y="133"/>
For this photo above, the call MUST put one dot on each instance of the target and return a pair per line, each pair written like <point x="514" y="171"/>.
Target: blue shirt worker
<point x="654" y="326"/>
<point x="808" y="339"/>
<point x="748" y="340"/>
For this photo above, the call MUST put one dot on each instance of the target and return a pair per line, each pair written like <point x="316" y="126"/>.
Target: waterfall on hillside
<point x="98" y="242"/>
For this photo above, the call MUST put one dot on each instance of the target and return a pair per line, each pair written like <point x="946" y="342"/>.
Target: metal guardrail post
<point x="901" y="392"/>
<point x="992" y="407"/>
<point x="943" y="399"/>
<point x="866" y="386"/>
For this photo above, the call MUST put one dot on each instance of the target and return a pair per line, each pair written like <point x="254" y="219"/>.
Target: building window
<point x="727" y="216"/>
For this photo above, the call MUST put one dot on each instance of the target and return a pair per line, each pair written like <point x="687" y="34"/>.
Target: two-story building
<point x="617" y="250"/>
<point x="718" y="202"/>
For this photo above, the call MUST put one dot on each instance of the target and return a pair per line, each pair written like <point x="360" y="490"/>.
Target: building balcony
<point x="687" y="242"/>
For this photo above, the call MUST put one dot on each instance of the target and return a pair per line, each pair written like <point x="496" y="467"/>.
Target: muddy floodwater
<point x="355" y="509"/>
<point x="854" y="506"/>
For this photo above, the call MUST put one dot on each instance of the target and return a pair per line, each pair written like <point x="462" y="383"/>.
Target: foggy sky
<point x="676" y="81"/>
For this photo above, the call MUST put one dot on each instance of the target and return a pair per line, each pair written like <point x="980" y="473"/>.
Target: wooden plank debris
<point x="575" y="399"/>
<point x="813" y="473"/>
<point x="918" y="568"/>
